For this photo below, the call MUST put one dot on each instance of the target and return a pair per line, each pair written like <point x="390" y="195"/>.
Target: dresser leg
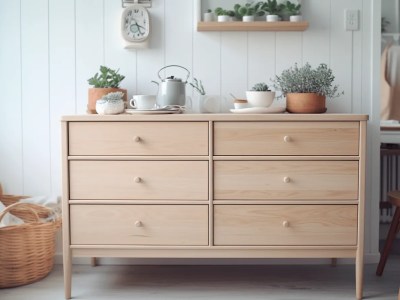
<point x="359" y="274"/>
<point x="67" y="265"/>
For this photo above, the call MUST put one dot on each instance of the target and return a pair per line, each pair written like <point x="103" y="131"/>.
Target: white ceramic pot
<point x="208" y="17"/>
<point x="297" y="18"/>
<point x="248" y="19"/>
<point x="109" y="107"/>
<point x="272" y="18"/>
<point x="260" y="99"/>
<point x="224" y="18"/>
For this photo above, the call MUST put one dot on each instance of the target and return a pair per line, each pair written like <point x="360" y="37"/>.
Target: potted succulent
<point x="293" y="10"/>
<point x="224" y="15"/>
<point x="273" y="9"/>
<point x="260" y="95"/>
<point x="208" y="16"/>
<point x="105" y="82"/>
<point x="111" y="104"/>
<point x="306" y="89"/>
<point x="247" y="12"/>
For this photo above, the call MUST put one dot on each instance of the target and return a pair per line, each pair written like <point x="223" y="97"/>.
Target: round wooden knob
<point x="286" y="139"/>
<point x="136" y="139"/>
<point x="286" y="179"/>
<point x="138" y="179"/>
<point x="138" y="224"/>
<point x="285" y="224"/>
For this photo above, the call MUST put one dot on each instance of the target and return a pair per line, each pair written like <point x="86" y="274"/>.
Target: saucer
<point x="260" y="110"/>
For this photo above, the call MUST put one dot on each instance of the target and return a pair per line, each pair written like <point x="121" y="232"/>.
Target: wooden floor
<point x="281" y="282"/>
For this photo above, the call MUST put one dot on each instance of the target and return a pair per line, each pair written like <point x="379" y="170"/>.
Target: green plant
<point x="219" y="11"/>
<point x="272" y="7"/>
<point x="208" y="11"/>
<point x="198" y="86"/>
<point x="307" y="80"/>
<point x="384" y="24"/>
<point x="249" y="9"/>
<point x="107" y="78"/>
<point x="113" y="96"/>
<point x="261" y="87"/>
<point x="292" y="8"/>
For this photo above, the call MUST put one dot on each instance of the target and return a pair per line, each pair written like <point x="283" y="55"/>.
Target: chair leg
<point x="394" y="226"/>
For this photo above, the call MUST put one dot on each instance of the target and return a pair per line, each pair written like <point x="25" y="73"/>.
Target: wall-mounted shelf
<point x="252" y="26"/>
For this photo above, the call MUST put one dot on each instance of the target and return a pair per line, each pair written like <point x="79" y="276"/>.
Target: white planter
<point x="260" y="99"/>
<point x="297" y="18"/>
<point x="248" y="19"/>
<point x="110" y="107"/>
<point x="224" y="18"/>
<point x="272" y="18"/>
<point x="208" y="17"/>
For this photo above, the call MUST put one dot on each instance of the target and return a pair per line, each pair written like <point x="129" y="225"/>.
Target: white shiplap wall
<point x="49" y="48"/>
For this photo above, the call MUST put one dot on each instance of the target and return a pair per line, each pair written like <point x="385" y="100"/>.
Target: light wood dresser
<point x="214" y="186"/>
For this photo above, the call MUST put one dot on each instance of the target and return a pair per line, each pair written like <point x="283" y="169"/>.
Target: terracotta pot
<point x="96" y="94"/>
<point x="305" y="103"/>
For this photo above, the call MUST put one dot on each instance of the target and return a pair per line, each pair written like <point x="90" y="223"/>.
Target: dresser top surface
<point x="216" y="117"/>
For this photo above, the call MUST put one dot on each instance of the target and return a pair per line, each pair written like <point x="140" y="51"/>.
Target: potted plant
<point x="208" y="16"/>
<point x="224" y="15"/>
<point x="260" y="95"/>
<point x="111" y="104"/>
<point x="105" y="82"/>
<point x="247" y="12"/>
<point x="306" y="88"/>
<point x="273" y="9"/>
<point x="293" y="11"/>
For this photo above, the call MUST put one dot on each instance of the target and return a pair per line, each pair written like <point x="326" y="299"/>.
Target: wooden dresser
<point x="214" y="186"/>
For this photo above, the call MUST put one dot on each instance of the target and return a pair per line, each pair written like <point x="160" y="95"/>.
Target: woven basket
<point x="26" y="250"/>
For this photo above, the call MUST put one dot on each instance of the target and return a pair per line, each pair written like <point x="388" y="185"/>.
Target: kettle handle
<point x="188" y="73"/>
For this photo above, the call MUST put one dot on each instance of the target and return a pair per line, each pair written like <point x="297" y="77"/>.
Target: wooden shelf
<point x="252" y="26"/>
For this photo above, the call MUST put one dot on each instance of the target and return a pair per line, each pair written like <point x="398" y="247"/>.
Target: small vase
<point x="248" y="19"/>
<point x="296" y="18"/>
<point x="272" y="18"/>
<point x="224" y="18"/>
<point x="305" y="103"/>
<point x="208" y="17"/>
<point x="109" y="107"/>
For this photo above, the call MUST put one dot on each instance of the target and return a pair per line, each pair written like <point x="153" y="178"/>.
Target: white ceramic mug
<point x="143" y="101"/>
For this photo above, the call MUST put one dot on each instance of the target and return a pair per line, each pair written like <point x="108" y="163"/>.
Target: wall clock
<point x="135" y="26"/>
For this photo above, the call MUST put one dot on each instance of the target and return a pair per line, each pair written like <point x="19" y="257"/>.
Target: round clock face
<point x="135" y="23"/>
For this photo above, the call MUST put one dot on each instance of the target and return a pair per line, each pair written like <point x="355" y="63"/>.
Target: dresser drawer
<point x="139" y="224"/>
<point x="289" y="180"/>
<point x="142" y="180"/>
<point x="138" y="138"/>
<point x="291" y="225"/>
<point x="286" y="138"/>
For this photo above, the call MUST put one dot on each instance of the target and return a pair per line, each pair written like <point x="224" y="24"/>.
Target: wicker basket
<point x="26" y="250"/>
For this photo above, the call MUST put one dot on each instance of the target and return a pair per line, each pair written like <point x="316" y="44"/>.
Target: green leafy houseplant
<point x="219" y="11"/>
<point x="292" y="9"/>
<point x="272" y="7"/>
<point x="107" y="78"/>
<point x="104" y="82"/>
<point x="306" y="88"/>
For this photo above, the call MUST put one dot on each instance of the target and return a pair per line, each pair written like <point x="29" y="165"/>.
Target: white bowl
<point x="260" y="99"/>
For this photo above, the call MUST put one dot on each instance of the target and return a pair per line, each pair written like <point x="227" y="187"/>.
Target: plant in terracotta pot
<point x="105" y="82"/>
<point x="260" y="95"/>
<point x="306" y="89"/>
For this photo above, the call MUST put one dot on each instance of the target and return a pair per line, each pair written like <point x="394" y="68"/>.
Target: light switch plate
<point x="351" y="19"/>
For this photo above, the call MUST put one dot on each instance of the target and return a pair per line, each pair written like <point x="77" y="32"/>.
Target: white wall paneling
<point x="54" y="46"/>
<point x="11" y="160"/>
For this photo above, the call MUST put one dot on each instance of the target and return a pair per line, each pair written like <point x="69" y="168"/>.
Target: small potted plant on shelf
<point x="306" y="89"/>
<point x="293" y="10"/>
<point x="224" y="15"/>
<point x="249" y="11"/>
<point x="273" y="9"/>
<point x="105" y="82"/>
<point x="111" y="104"/>
<point x="260" y="95"/>
<point x="208" y="16"/>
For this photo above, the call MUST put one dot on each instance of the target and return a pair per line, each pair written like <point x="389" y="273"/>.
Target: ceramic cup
<point x="143" y="101"/>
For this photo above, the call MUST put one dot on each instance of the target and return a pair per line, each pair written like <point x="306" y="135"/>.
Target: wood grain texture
<point x="139" y="224"/>
<point x="252" y="26"/>
<point x="285" y="225"/>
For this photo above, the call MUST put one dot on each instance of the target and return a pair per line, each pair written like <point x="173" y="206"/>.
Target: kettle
<point x="172" y="91"/>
